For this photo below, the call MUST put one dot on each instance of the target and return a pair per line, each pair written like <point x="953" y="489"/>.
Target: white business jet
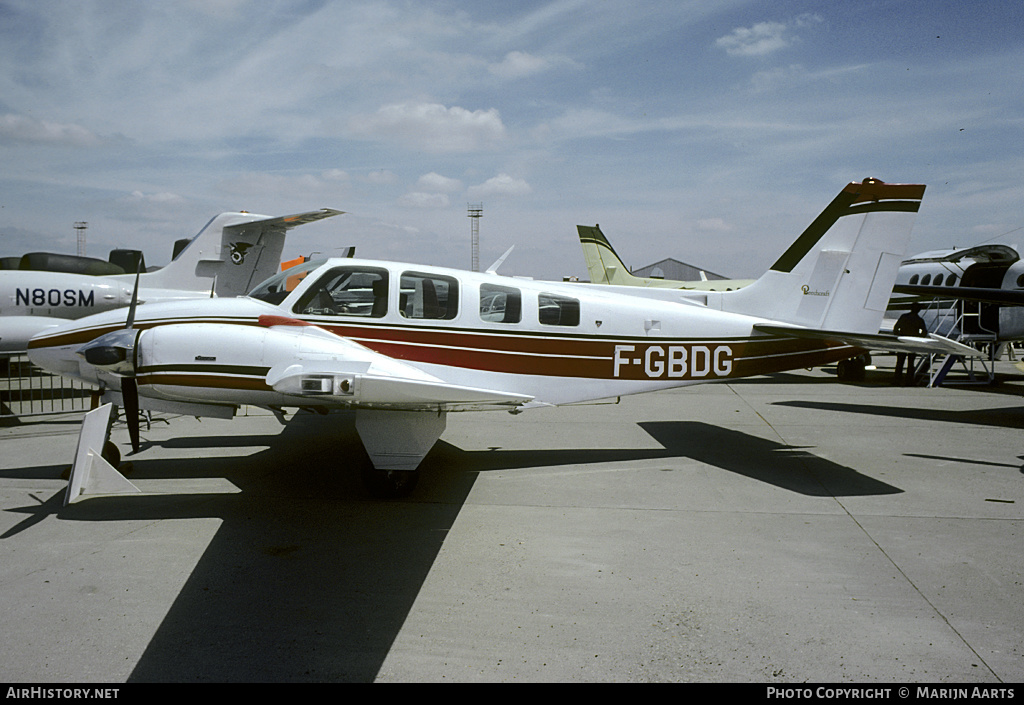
<point x="229" y="256"/>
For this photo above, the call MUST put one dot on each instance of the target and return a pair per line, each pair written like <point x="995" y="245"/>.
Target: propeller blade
<point x="135" y="298"/>
<point x="130" y="395"/>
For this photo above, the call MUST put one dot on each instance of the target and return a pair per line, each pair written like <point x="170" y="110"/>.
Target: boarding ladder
<point x="950" y="317"/>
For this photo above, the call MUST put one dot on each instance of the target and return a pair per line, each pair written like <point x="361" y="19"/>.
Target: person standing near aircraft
<point x="910" y="324"/>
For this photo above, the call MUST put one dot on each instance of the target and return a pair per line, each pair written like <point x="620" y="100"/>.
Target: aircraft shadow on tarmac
<point x="788" y="467"/>
<point x="1001" y="417"/>
<point x="308" y="580"/>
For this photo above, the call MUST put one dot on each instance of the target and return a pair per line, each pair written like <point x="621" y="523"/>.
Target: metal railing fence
<point x="26" y="390"/>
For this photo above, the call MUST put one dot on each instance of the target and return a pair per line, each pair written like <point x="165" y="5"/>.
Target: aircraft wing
<point x="933" y="344"/>
<point x="1010" y="297"/>
<point x="339" y="371"/>
<point x="356" y="384"/>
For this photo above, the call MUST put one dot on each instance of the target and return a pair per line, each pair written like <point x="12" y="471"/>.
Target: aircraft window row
<point x="363" y="291"/>
<point x="503" y="304"/>
<point x="927" y="279"/>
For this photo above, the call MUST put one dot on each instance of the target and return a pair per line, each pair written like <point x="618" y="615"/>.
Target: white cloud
<point x="434" y="182"/>
<point x="162" y="197"/>
<point x="258" y="188"/>
<point x="418" y="199"/>
<point x="758" y="40"/>
<point x="715" y="225"/>
<point x="432" y="127"/>
<point x="763" y="37"/>
<point x="382" y="177"/>
<point x="587" y="122"/>
<point x="500" y="185"/>
<point x="519" y="64"/>
<point x="20" y="128"/>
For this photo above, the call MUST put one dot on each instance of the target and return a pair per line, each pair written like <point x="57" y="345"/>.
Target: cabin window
<point x="913" y="280"/>
<point x="950" y="279"/>
<point x="926" y="280"/>
<point x="347" y="291"/>
<point x="428" y="296"/>
<point x="500" y="304"/>
<point x="1020" y="282"/>
<point x="558" y="310"/>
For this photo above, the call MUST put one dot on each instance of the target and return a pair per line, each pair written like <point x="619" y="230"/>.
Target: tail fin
<point x="839" y="273"/>
<point x="603" y="265"/>
<point x="233" y="253"/>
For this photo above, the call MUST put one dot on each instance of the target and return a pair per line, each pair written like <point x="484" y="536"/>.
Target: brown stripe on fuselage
<point x="85" y="335"/>
<point x="257" y="384"/>
<point x="590" y="356"/>
<point x="527" y="353"/>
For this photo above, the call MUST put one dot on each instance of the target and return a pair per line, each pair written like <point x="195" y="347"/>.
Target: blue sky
<point x="712" y="132"/>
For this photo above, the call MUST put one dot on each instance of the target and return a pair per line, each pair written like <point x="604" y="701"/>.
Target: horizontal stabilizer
<point x="286" y="222"/>
<point x="932" y="345"/>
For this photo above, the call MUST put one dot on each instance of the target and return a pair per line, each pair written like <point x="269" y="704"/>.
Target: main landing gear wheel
<point x="111" y="454"/>
<point x="388" y="484"/>
<point x="852" y="370"/>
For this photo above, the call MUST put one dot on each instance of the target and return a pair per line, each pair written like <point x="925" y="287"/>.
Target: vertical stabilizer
<point x="839" y="273"/>
<point x="603" y="265"/>
<point x="232" y="254"/>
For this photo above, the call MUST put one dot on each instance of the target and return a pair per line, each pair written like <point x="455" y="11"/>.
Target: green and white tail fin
<point x="603" y="264"/>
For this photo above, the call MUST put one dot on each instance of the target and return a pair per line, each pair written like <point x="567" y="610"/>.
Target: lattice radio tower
<point x="476" y="212"/>
<point x="81" y="227"/>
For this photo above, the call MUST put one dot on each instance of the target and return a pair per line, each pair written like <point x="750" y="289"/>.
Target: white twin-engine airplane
<point x="229" y="256"/>
<point x="405" y="344"/>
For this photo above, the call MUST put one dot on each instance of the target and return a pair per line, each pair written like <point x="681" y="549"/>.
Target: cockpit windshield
<point x="276" y="289"/>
